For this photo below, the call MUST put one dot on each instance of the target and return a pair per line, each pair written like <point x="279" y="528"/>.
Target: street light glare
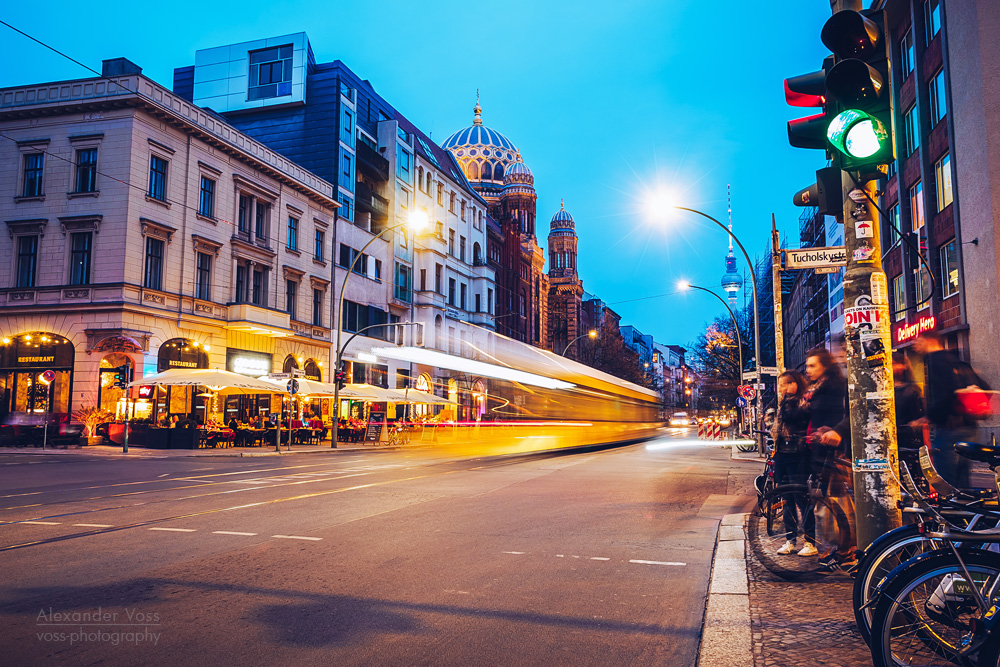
<point x="683" y="285"/>
<point x="592" y="333"/>
<point x="419" y="220"/>
<point x="660" y="204"/>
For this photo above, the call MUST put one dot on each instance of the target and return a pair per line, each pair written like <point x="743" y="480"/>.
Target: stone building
<point x="146" y="231"/>
<point x="565" y="286"/>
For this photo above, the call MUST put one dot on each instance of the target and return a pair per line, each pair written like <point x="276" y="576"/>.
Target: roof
<point x="445" y="161"/>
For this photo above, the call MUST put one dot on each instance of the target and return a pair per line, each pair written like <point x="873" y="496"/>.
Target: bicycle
<point x="942" y="605"/>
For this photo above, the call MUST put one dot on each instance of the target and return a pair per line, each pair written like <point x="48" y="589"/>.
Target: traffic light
<point x="825" y="194"/>
<point x="123" y="376"/>
<point x="861" y="131"/>
<point x="340" y="377"/>
<point x="809" y="90"/>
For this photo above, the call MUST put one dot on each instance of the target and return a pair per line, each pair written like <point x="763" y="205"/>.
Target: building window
<point x="79" y="258"/>
<point x="318" y="307"/>
<point x="932" y="9"/>
<point x="911" y="131"/>
<point x="378" y="269"/>
<point x="347" y="260"/>
<point x="462" y="298"/>
<point x="270" y="73"/>
<point x="403" y="282"/>
<point x="489" y="301"/>
<point x="939" y="104"/>
<point x="27" y="259"/>
<point x="461" y="248"/>
<point x="86" y="170"/>
<point x="346" y="181"/>
<point x="479" y="302"/>
<point x="949" y="269"/>
<point x="203" y="276"/>
<point x="942" y="175"/>
<point x="257" y="295"/>
<point x="898" y="298"/>
<point x="923" y="284"/>
<point x="451" y="242"/>
<point x="33" y="166"/>
<point x="260" y="223"/>
<point x="291" y="294"/>
<point x="206" y="202"/>
<point x="293" y="233"/>
<point x="440" y="197"/>
<point x="318" y="246"/>
<point x="451" y="291"/>
<point x="347" y="128"/>
<point x="891" y="234"/>
<point x="404" y="198"/>
<point x="243" y="216"/>
<point x="906" y="53"/>
<point x="437" y="279"/>
<point x="917" y="219"/>
<point x="157" y="178"/>
<point x="451" y="202"/>
<point x="241" y="283"/>
<point x="403" y="164"/>
<point x="154" y="264"/>
<point x="346" y="207"/>
<point x="462" y="209"/>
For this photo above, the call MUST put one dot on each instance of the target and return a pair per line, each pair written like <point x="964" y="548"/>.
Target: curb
<point x="143" y="453"/>
<point x="726" y="638"/>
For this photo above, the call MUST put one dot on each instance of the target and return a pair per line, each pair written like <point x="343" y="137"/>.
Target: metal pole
<point x="739" y="342"/>
<point x="872" y="404"/>
<point x="779" y="325"/>
<point x="48" y="408"/>
<point x="570" y="344"/>
<point x="756" y="319"/>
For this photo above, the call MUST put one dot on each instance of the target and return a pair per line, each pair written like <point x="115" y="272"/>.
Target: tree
<point x="714" y="354"/>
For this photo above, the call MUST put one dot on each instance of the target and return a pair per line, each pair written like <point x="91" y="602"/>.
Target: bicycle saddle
<point x="989" y="454"/>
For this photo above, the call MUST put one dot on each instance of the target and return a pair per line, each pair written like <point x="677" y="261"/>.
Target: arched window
<point x="477" y="253"/>
<point x="312" y="370"/>
<point x="472" y="170"/>
<point x="428" y="181"/>
<point x="498" y="172"/>
<point x="487" y="171"/>
<point x="290" y="363"/>
<point x="420" y="176"/>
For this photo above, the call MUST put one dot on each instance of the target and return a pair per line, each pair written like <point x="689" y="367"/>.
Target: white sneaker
<point x="808" y="550"/>
<point x="787" y="549"/>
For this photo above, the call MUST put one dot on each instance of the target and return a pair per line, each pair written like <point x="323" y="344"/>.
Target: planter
<point x="95" y="440"/>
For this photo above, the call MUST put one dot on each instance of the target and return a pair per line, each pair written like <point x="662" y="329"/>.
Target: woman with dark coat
<point x="791" y="460"/>
<point x="827" y="398"/>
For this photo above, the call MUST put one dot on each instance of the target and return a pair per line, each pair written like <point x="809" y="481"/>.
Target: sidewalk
<point x="754" y="618"/>
<point x="142" y="452"/>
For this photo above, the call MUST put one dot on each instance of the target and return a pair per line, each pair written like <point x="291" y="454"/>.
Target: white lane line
<point x="175" y="530"/>
<point x="42" y="523"/>
<point x="656" y="562"/>
<point x="94" y="525"/>
<point x="164" y="474"/>
<point x="599" y="558"/>
<point x="516" y="553"/>
<point x="231" y="532"/>
<point x="297" y="537"/>
<point x="560" y="556"/>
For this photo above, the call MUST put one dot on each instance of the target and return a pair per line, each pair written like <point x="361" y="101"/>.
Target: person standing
<point x="944" y="374"/>
<point x="791" y="461"/>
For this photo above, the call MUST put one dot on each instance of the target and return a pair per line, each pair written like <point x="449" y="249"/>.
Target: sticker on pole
<point x="880" y="295"/>
<point x="863" y="229"/>
<point x="864" y="253"/>
<point x="870" y="465"/>
<point x="868" y="316"/>
<point x="856" y="195"/>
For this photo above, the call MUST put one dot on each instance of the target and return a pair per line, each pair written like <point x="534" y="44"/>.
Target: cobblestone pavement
<point x="803" y="623"/>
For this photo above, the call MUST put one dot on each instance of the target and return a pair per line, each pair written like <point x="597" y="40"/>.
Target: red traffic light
<point x="806" y="90"/>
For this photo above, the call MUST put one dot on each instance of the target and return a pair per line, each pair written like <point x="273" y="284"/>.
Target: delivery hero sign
<point x="864" y="317"/>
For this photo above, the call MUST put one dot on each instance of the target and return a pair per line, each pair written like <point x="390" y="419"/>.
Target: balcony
<point x="258" y="320"/>
<point x="369" y="201"/>
<point x="371" y="162"/>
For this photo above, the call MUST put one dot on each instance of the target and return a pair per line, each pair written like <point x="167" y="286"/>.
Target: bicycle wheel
<point x="927" y="614"/>
<point x="766" y="532"/>
<point x="881" y="557"/>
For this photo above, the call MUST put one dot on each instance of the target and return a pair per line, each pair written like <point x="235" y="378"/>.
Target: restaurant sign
<point x="910" y="330"/>
<point x="244" y="362"/>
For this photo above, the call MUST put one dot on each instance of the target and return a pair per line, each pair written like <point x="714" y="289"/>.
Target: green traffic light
<point x="857" y="134"/>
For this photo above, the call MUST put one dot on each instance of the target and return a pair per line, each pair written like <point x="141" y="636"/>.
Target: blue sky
<point x="606" y="101"/>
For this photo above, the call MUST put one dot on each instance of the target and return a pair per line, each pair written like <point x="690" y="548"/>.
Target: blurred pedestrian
<point x="791" y="461"/>
<point x="944" y="374"/>
<point x="827" y="398"/>
<point x="909" y="411"/>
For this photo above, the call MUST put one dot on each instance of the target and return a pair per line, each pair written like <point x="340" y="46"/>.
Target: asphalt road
<point x="388" y="558"/>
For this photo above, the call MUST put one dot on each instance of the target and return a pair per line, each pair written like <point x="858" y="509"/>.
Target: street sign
<point x="829" y="269"/>
<point x="751" y="393"/>
<point x="815" y="258"/>
<point x="48" y="376"/>
<point x="293" y="387"/>
<point x="749" y="375"/>
<point x="740" y="401"/>
<point x="768" y="370"/>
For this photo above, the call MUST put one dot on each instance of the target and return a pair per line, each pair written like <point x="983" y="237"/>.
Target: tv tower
<point x="731" y="280"/>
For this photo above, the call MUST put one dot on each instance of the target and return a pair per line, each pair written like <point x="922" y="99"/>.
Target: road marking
<point x="656" y="562"/>
<point x="560" y="556"/>
<point x="175" y="530"/>
<point x="516" y="553"/>
<point x="94" y="525"/>
<point x="297" y="537"/>
<point x="599" y="558"/>
<point x="164" y="474"/>
<point x="231" y="532"/>
<point x="43" y="523"/>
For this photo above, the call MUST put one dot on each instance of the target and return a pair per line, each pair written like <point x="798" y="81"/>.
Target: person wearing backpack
<point x="944" y="374"/>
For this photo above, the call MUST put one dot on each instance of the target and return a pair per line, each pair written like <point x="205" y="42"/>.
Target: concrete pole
<point x="779" y="326"/>
<point x="870" y="388"/>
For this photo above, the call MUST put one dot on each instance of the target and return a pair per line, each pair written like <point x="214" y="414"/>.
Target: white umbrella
<point x="315" y="388"/>
<point x="417" y="396"/>
<point x="377" y="394"/>
<point x="214" y="379"/>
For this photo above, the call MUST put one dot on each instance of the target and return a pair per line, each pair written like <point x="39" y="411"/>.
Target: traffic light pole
<point x="870" y="385"/>
<point x="779" y="325"/>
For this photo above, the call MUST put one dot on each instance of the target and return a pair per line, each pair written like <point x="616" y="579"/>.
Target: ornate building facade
<point x="494" y="167"/>
<point x="565" y="286"/>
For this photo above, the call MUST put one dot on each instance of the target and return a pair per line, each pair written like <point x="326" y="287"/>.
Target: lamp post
<point x="739" y="340"/>
<point x="418" y="222"/>
<point x="753" y="282"/>
<point x="590" y="334"/>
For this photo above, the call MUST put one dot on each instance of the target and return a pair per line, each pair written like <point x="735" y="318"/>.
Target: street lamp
<point x="683" y="285"/>
<point x="659" y="202"/>
<point x="418" y="222"/>
<point x="590" y="334"/>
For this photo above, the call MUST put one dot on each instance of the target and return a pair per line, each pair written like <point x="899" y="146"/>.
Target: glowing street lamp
<point x="590" y="334"/>
<point x="418" y="222"/>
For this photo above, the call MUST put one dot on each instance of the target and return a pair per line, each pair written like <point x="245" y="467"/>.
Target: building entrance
<point x="23" y="361"/>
